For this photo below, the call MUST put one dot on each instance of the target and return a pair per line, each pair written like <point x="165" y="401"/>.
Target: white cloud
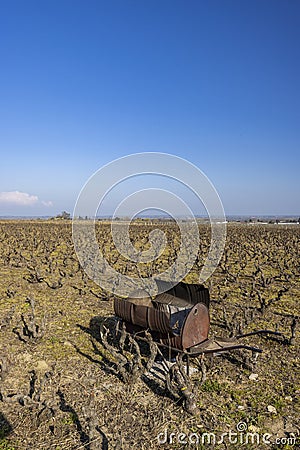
<point x="21" y="199"/>
<point x="18" y="198"/>
<point x="49" y="203"/>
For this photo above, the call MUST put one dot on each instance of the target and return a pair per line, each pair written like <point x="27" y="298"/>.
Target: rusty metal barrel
<point x="192" y="293"/>
<point x="178" y="317"/>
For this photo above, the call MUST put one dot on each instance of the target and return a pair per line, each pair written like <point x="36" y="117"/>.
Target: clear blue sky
<point x="84" y="82"/>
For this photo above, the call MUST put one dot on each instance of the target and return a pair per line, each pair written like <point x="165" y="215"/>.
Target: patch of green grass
<point x="5" y="445"/>
<point x="211" y="386"/>
<point x="70" y="420"/>
<point x="279" y="404"/>
<point x="54" y="340"/>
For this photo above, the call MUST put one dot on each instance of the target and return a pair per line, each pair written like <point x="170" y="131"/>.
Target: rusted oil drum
<point x="178" y="322"/>
<point x="192" y="293"/>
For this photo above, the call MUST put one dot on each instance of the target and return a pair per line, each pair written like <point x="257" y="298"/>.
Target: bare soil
<point x="61" y="389"/>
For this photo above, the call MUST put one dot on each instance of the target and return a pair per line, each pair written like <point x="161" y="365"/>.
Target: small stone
<point x="272" y="409"/>
<point x="253" y="376"/>
<point x="42" y="366"/>
<point x="68" y="344"/>
<point x="241" y="407"/>
<point x="288" y="398"/>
